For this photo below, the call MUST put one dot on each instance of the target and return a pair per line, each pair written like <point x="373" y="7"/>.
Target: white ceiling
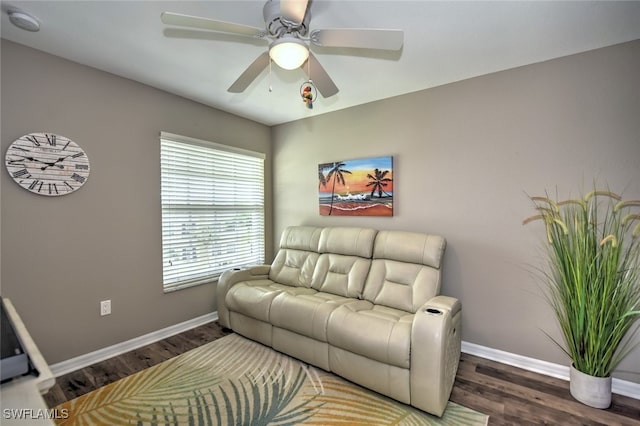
<point x="444" y="42"/>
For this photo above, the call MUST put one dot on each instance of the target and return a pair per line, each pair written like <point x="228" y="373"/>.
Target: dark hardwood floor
<point x="513" y="396"/>
<point x="509" y="395"/>
<point x="79" y="382"/>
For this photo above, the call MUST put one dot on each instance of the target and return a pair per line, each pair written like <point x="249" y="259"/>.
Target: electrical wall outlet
<point x="105" y="307"/>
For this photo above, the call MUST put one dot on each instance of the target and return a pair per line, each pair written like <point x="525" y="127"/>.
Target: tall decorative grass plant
<point x="593" y="276"/>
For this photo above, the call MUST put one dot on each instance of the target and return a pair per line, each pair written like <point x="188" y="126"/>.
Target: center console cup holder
<point x="433" y="311"/>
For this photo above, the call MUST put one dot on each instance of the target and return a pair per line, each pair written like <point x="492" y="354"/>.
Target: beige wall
<point x="62" y="255"/>
<point x="465" y="156"/>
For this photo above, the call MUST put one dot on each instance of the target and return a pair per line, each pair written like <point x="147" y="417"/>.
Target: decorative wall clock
<point x="47" y="164"/>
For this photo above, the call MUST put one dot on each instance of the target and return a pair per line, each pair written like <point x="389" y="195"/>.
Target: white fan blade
<point x="319" y="76"/>
<point x="178" y="19"/>
<point x="250" y="74"/>
<point x="186" y="33"/>
<point x="293" y="10"/>
<point x="359" y="38"/>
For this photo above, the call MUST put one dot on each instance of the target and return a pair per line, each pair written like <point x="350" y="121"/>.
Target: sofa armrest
<point x="228" y="279"/>
<point x="435" y="353"/>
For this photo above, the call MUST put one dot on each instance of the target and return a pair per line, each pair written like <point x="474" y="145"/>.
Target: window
<point x="212" y="210"/>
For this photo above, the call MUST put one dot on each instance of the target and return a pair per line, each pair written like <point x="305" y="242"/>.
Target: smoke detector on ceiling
<point x="23" y="20"/>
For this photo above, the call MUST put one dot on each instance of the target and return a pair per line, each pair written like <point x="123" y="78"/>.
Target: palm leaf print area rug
<point x="235" y="381"/>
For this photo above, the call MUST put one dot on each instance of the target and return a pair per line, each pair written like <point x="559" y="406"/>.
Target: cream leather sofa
<point x="361" y="303"/>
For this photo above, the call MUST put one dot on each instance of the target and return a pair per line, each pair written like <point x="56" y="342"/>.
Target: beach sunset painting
<point x="361" y="187"/>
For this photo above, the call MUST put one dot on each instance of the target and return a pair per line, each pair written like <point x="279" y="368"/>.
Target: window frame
<point x="174" y="285"/>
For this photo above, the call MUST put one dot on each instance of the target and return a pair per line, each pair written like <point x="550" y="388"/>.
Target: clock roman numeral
<point x="51" y="139"/>
<point x="15" y="161"/>
<point x="77" y="155"/>
<point x="67" y="185"/>
<point x="20" y="173"/>
<point x="36" y="183"/>
<point x="82" y="167"/>
<point x="55" y="188"/>
<point x="33" y="140"/>
<point x="66" y="145"/>
<point x="78" y="178"/>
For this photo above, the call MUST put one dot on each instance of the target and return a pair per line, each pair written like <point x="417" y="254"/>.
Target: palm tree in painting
<point x="378" y="181"/>
<point x="322" y="179"/>
<point x="337" y="173"/>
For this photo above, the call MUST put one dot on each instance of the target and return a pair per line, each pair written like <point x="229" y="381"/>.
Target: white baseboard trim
<point x="85" y="360"/>
<point x="621" y="387"/>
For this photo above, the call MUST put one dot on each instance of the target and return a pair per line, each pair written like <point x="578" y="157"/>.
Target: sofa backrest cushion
<point x="341" y="275"/>
<point x="297" y="257"/>
<point x="410" y="247"/>
<point x="345" y="258"/>
<point x="406" y="269"/>
<point x="347" y="241"/>
<point x="304" y="238"/>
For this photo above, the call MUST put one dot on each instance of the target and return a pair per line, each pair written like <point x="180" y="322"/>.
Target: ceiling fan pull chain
<point x="270" y="86"/>
<point x="308" y="90"/>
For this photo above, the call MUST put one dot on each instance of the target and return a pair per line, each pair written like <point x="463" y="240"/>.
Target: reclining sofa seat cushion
<point x="291" y="271"/>
<point x="339" y="277"/>
<point x="404" y="275"/>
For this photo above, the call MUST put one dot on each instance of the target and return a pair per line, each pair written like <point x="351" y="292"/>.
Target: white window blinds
<point x="212" y="210"/>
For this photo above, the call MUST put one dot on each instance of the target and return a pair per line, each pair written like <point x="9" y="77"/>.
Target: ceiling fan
<point x="286" y="28"/>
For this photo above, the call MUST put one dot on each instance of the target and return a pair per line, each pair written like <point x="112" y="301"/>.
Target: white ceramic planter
<point x="590" y="390"/>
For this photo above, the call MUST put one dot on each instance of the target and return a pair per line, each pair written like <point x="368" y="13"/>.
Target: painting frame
<point x="358" y="187"/>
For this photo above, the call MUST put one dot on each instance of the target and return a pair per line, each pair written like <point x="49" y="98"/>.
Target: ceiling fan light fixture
<point x="289" y="52"/>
